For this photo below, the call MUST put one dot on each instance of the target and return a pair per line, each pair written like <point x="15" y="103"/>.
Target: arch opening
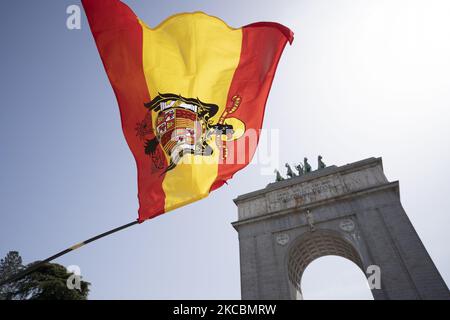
<point x="334" y="278"/>
<point x="315" y="245"/>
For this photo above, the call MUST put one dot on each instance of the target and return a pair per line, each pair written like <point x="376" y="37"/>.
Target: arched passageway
<point x="315" y="245"/>
<point x="334" y="278"/>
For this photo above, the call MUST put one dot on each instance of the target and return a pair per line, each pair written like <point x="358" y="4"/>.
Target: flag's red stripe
<point x="118" y="35"/>
<point x="262" y="46"/>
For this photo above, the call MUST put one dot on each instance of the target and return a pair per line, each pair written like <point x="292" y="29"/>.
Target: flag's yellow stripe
<point x="194" y="55"/>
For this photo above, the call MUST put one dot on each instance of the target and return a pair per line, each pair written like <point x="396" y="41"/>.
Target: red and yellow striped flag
<point x="188" y="91"/>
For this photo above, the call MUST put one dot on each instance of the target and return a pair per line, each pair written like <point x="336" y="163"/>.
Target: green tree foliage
<point x="10" y="265"/>
<point x="48" y="282"/>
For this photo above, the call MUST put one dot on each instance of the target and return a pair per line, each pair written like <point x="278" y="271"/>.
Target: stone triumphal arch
<point x="351" y="211"/>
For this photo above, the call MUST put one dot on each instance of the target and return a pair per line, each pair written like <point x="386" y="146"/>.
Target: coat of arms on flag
<point x="185" y="126"/>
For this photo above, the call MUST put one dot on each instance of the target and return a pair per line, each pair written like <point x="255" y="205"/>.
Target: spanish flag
<point x="191" y="93"/>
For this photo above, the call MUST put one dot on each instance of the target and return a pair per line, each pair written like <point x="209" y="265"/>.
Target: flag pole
<point x="35" y="266"/>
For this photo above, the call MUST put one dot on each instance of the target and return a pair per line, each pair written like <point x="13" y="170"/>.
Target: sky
<point x="362" y="79"/>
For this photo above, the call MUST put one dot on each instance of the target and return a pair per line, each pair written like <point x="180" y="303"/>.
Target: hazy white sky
<point x="363" y="78"/>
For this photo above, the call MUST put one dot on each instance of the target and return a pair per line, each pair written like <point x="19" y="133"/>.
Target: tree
<point x="48" y="282"/>
<point x="10" y="265"/>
